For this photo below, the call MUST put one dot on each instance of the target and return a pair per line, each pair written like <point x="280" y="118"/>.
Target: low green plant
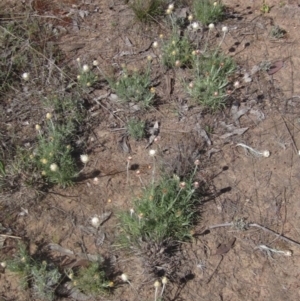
<point x="40" y="276"/>
<point x="265" y="65"/>
<point x="176" y="50"/>
<point x="208" y="11"/>
<point x="21" y="38"/>
<point x="134" y="86"/>
<point x="86" y="77"/>
<point x="53" y="154"/>
<point x="92" y="280"/>
<point x="265" y="8"/>
<point x="2" y="175"/>
<point x="277" y="32"/>
<point x="147" y="10"/>
<point x="136" y="128"/>
<point x="166" y="210"/>
<point x="32" y="65"/>
<point x="211" y="72"/>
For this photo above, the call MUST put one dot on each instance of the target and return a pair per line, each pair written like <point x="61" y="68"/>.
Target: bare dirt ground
<point x="221" y="263"/>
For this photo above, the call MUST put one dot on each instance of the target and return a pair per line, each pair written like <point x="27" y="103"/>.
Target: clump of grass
<point x="134" y="86"/>
<point x="265" y="65"/>
<point x="92" y="280"/>
<point x="32" y="66"/>
<point x="86" y="78"/>
<point x="136" y="128"/>
<point x="265" y="8"/>
<point x="166" y="210"/>
<point x="53" y="155"/>
<point x="21" y="39"/>
<point x="210" y="79"/>
<point x="40" y="276"/>
<point x="147" y="10"/>
<point x="176" y="51"/>
<point x="277" y="32"/>
<point x="208" y="11"/>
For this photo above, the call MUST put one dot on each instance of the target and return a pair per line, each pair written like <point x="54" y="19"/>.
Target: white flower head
<point x="54" y="167"/>
<point x="95" y="221"/>
<point x="3" y="264"/>
<point x="156" y="284"/>
<point x="37" y="127"/>
<point x="85" y="68"/>
<point x="84" y="159"/>
<point x="288" y="253"/>
<point x="247" y="78"/>
<point x="177" y="63"/>
<point x="152" y="152"/>
<point x="155" y="44"/>
<point x="211" y="26"/>
<point x="225" y="29"/>
<point x="236" y="84"/>
<point x="124" y="277"/>
<point x="196" y="185"/>
<point x="182" y="185"/>
<point x="197" y="162"/>
<point x="171" y="6"/>
<point x="195" y="25"/>
<point x="266" y="153"/>
<point x="95" y="63"/>
<point x="25" y="76"/>
<point x="48" y="115"/>
<point x="164" y="280"/>
<point x="96" y="180"/>
<point x="190" y="17"/>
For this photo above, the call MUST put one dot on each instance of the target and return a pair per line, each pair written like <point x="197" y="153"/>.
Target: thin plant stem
<point x="155" y="294"/>
<point x="277" y="234"/>
<point x="153" y="171"/>
<point x="171" y="205"/>
<point x="127" y="171"/>
<point x="77" y="174"/>
<point x="224" y="34"/>
<point x="260" y="227"/>
<point x="220" y="225"/>
<point x="249" y="148"/>
<point x="163" y="288"/>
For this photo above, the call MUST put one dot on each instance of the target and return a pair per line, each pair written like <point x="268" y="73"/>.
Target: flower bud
<point x="84" y="159"/>
<point x="225" y="29"/>
<point x="54" y="167"/>
<point x="85" y="68"/>
<point x="25" y="76"/>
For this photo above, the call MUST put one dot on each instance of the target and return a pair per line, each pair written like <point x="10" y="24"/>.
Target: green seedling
<point x="265" y="8"/>
<point x="207" y="11"/>
<point x="134" y="86"/>
<point x="147" y="10"/>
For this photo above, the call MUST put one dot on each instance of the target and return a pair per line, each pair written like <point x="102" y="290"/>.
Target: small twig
<point x="292" y="138"/>
<point x="270" y="251"/>
<point x="277" y="234"/>
<point x="209" y="279"/>
<point x="232" y="224"/>
<point x="265" y="153"/>
<point x="221" y="225"/>
<point x="10" y="236"/>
